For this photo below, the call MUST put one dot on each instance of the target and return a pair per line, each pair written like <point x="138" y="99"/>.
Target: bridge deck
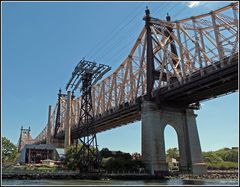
<point x="215" y="82"/>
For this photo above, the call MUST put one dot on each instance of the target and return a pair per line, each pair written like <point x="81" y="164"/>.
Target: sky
<point x="42" y="42"/>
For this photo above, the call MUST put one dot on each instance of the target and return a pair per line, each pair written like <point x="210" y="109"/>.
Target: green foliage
<point x="70" y="155"/>
<point x="227" y="154"/>
<point x="46" y="169"/>
<point x="173" y="153"/>
<point x="9" y="151"/>
<point x="72" y="158"/>
<point x="105" y="161"/>
<point x="28" y="168"/>
<point x="211" y="157"/>
<point x="119" y="161"/>
<point x="222" y="165"/>
<point x="222" y="159"/>
<point x="104" y="153"/>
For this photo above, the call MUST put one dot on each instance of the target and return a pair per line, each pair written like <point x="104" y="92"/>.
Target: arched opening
<point x="171" y="148"/>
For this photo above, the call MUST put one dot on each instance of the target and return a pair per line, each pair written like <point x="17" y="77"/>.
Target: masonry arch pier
<point x="154" y="121"/>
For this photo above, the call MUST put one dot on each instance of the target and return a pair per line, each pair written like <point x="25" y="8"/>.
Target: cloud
<point x="192" y="4"/>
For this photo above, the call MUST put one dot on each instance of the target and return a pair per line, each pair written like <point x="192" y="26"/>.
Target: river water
<point x="122" y="182"/>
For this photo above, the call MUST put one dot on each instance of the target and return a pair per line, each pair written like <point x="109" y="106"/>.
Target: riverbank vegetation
<point x="117" y="161"/>
<point x="9" y="151"/>
<point x="222" y="159"/>
<point x="31" y="168"/>
<point x="110" y="161"/>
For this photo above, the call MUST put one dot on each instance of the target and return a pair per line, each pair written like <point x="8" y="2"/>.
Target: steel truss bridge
<point x="173" y="63"/>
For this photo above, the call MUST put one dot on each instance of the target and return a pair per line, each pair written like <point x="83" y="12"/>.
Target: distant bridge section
<point x="24" y="138"/>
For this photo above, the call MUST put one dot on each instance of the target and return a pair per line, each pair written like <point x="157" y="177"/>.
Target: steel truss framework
<point x="180" y="48"/>
<point x="84" y="76"/>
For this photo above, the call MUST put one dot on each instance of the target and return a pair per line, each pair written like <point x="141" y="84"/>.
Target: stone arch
<point x="177" y="119"/>
<point x="154" y="120"/>
<point x="180" y="141"/>
<point x="168" y="128"/>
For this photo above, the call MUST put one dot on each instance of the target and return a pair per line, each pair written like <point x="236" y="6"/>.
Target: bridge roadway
<point x="214" y="82"/>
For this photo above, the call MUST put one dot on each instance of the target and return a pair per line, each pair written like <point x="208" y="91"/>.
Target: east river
<point x="122" y="182"/>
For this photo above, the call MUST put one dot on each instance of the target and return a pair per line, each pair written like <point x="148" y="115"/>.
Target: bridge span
<point x="172" y="67"/>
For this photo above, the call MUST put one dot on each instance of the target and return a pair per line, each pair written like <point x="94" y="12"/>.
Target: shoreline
<point x="80" y="176"/>
<point x="213" y="174"/>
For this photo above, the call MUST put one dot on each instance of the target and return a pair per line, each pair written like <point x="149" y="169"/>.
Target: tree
<point x="127" y="156"/>
<point x="231" y="156"/>
<point x="227" y="154"/>
<point x="69" y="157"/>
<point x="173" y="153"/>
<point x="105" y="153"/>
<point x="211" y="157"/>
<point x="78" y="158"/>
<point x="120" y="161"/>
<point x="9" y="151"/>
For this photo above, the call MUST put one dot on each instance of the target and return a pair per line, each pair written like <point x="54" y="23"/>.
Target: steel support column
<point x="67" y="141"/>
<point x="49" y="126"/>
<point x="150" y="57"/>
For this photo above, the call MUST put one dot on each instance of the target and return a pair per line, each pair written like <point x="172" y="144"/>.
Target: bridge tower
<point x="86" y="74"/>
<point x="60" y="120"/>
<point x="25" y="138"/>
<point x="155" y="117"/>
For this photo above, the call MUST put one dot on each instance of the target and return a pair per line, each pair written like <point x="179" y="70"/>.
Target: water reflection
<point x="121" y="182"/>
<point x="195" y="182"/>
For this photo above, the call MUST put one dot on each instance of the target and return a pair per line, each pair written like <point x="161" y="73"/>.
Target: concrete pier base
<point x="154" y="121"/>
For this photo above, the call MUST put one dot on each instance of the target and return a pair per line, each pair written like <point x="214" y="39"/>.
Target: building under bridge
<point x="35" y="153"/>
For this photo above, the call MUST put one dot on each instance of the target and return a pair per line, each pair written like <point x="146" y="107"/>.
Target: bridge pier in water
<point x="154" y="121"/>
